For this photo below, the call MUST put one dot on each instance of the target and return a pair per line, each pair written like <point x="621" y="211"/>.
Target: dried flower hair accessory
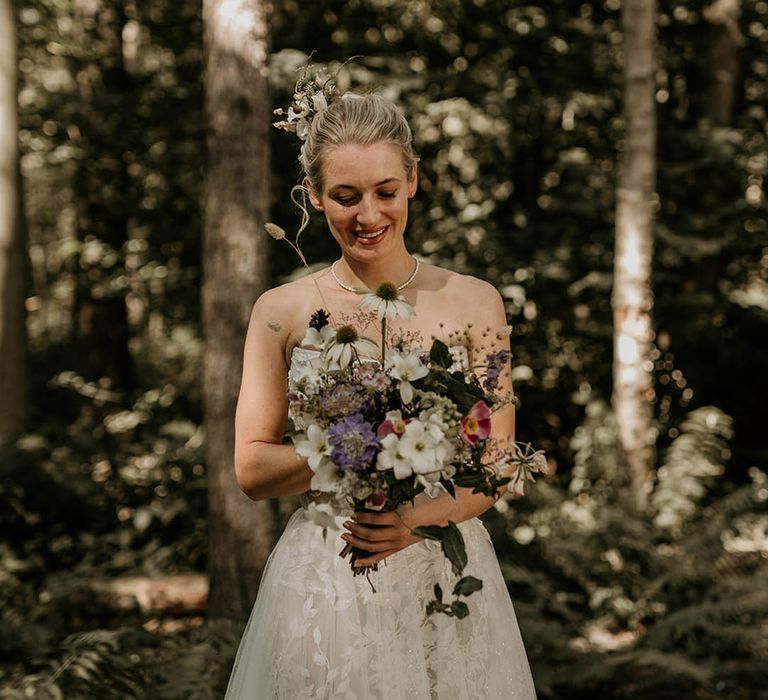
<point x="312" y="94"/>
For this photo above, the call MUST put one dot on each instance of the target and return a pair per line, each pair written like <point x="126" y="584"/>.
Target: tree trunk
<point x="242" y="533"/>
<point x="725" y="40"/>
<point x="102" y="193"/>
<point x="13" y="259"/>
<point x="632" y="295"/>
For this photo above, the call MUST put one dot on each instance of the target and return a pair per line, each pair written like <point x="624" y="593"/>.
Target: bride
<point x="315" y="630"/>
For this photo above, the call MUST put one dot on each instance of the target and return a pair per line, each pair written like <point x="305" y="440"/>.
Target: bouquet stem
<point x="355" y="553"/>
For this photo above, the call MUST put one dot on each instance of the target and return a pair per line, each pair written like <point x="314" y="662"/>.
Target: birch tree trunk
<point x="725" y="41"/>
<point x="13" y="331"/>
<point x="242" y="533"/>
<point x="632" y="299"/>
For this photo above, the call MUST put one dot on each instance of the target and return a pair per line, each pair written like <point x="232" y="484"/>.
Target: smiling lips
<point x="371" y="236"/>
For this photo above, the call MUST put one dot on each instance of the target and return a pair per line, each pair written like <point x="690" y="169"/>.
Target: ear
<point x="314" y="199"/>
<point x="413" y="181"/>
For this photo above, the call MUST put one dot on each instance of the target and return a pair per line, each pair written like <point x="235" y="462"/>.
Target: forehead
<point x="362" y="166"/>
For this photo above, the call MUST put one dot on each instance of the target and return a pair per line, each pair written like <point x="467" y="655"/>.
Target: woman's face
<point x="365" y="199"/>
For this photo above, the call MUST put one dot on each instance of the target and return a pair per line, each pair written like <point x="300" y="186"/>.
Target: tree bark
<point x="242" y="533"/>
<point x="101" y="189"/>
<point x="13" y="259"/>
<point x="632" y="298"/>
<point x="725" y="41"/>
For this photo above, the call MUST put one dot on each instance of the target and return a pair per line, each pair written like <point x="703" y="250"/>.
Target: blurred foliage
<point x="516" y="113"/>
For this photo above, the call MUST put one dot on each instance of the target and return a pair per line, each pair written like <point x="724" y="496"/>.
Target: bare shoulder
<point x="466" y="291"/>
<point x="288" y="307"/>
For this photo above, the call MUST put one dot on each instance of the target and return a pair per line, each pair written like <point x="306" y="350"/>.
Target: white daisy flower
<point x="386" y="302"/>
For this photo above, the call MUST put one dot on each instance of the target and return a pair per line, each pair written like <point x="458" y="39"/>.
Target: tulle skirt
<point x="316" y="632"/>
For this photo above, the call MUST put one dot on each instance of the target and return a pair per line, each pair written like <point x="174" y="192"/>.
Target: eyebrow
<point x="378" y="184"/>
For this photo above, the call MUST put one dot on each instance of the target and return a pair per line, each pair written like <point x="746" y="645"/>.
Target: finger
<point x="373" y="534"/>
<point x="376" y="558"/>
<point x="374" y="518"/>
<point x="367" y="545"/>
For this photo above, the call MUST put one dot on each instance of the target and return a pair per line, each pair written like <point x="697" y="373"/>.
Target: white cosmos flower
<point x="314" y="447"/>
<point x="406" y="369"/>
<point x="387" y="303"/>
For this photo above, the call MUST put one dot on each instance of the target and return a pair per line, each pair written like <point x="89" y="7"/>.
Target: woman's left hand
<point x="382" y="534"/>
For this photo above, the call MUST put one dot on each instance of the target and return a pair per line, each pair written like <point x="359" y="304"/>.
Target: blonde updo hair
<point x="353" y="119"/>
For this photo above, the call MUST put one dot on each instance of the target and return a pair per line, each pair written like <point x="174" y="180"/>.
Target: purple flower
<point x="495" y="362"/>
<point x="353" y="442"/>
<point x="342" y="399"/>
<point x="319" y="319"/>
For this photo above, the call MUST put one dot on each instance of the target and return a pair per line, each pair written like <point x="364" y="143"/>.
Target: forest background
<point x="517" y="114"/>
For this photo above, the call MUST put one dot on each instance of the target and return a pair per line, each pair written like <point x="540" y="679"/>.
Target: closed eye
<point x="387" y="195"/>
<point x="345" y="201"/>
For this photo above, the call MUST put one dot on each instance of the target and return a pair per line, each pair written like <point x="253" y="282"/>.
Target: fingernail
<point x="345" y="536"/>
<point x="348" y="523"/>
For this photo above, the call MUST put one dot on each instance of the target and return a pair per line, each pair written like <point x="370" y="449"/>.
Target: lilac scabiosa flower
<point x="495" y="362"/>
<point x="353" y="443"/>
<point x="341" y="399"/>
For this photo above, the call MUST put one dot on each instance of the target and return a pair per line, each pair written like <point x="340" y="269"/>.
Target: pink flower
<point x="376" y="501"/>
<point x="476" y="425"/>
<point x="394" y="423"/>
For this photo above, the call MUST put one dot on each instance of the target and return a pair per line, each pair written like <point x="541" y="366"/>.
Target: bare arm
<point x="265" y="468"/>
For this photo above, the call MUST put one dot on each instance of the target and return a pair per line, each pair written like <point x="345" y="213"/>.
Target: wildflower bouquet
<point x="381" y="423"/>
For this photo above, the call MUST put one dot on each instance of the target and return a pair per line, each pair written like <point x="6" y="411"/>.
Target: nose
<point x="367" y="212"/>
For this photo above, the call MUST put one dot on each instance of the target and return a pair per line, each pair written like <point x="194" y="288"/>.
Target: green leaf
<point x="460" y="609"/>
<point x="454" y="548"/>
<point x="429" y="532"/>
<point x="440" y="355"/>
<point x="438" y="592"/>
<point x="448" y="486"/>
<point x="467" y="480"/>
<point x="434" y="607"/>
<point x="467" y="585"/>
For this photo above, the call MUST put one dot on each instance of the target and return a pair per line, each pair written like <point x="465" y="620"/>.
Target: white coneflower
<point x="387" y="302"/>
<point x="344" y="344"/>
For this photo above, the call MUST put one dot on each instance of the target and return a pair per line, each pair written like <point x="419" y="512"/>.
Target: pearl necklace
<point x="353" y="289"/>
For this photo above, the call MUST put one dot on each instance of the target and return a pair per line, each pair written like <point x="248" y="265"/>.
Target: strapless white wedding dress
<point x="318" y="633"/>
